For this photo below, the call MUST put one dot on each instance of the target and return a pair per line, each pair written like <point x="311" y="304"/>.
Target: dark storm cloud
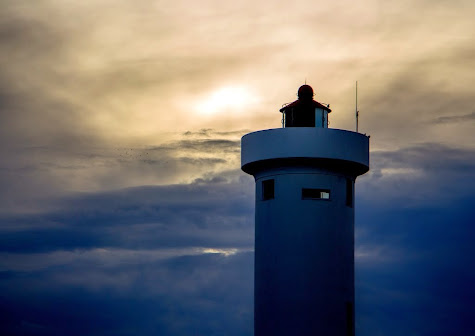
<point x="93" y="249"/>
<point x="210" y="294"/>
<point x="116" y="262"/>
<point x="415" y="269"/>
<point x="211" y="212"/>
<point x="413" y="245"/>
<point x="432" y="158"/>
<point x="419" y="176"/>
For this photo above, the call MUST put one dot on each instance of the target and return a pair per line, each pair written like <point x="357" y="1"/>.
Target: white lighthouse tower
<point x="304" y="230"/>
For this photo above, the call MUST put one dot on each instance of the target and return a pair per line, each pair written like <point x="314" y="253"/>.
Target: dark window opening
<point x="308" y="193"/>
<point x="350" y="323"/>
<point x="349" y="192"/>
<point x="267" y="190"/>
<point x="300" y="116"/>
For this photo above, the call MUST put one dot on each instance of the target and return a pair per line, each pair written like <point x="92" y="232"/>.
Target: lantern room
<point x="305" y="111"/>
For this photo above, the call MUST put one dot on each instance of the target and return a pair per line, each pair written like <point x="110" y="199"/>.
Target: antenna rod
<point x="356" y="107"/>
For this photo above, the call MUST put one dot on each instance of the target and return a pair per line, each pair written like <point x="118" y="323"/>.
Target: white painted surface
<point x="305" y="142"/>
<point x="304" y="264"/>
<point x="304" y="248"/>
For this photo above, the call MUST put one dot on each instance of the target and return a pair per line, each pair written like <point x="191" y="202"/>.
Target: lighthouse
<point x="305" y="175"/>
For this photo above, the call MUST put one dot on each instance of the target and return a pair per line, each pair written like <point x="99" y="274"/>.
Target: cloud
<point x="208" y="213"/>
<point x="113" y="189"/>
<point x="155" y="245"/>
<point x="72" y="81"/>
<point x="209" y="132"/>
<point x="409" y="267"/>
<point x="210" y="293"/>
<point x="413" y="222"/>
<point x="115" y="262"/>
<point x="202" y="146"/>
<point x="419" y="175"/>
<point x="455" y="118"/>
<point x="33" y="175"/>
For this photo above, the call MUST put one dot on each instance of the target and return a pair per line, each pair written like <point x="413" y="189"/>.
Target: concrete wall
<point x="304" y="264"/>
<point x="305" y="142"/>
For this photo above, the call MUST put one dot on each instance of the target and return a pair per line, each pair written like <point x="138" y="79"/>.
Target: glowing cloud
<point x="225" y="99"/>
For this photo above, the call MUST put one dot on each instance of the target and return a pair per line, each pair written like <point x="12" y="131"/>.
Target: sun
<point x="225" y="99"/>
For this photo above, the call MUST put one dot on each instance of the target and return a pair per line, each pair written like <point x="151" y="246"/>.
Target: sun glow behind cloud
<point x="225" y="99"/>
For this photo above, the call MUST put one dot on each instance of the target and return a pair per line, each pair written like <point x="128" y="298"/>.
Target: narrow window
<point x="267" y="190"/>
<point x="308" y="193"/>
<point x="349" y="192"/>
<point x="350" y="323"/>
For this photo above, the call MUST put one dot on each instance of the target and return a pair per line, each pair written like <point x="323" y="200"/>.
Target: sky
<point x="123" y="209"/>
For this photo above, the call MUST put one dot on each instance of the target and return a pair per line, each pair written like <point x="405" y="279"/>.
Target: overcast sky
<point x="123" y="210"/>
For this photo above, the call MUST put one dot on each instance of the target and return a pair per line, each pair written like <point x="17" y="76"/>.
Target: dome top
<point x="305" y="92"/>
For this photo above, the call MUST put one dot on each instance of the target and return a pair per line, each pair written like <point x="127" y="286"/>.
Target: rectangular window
<point x="349" y="192"/>
<point x="308" y="193"/>
<point x="350" y="323"/>
<point x="267" y="190"/>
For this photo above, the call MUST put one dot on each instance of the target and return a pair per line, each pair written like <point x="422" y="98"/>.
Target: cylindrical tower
<point x="304" y="224"/>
